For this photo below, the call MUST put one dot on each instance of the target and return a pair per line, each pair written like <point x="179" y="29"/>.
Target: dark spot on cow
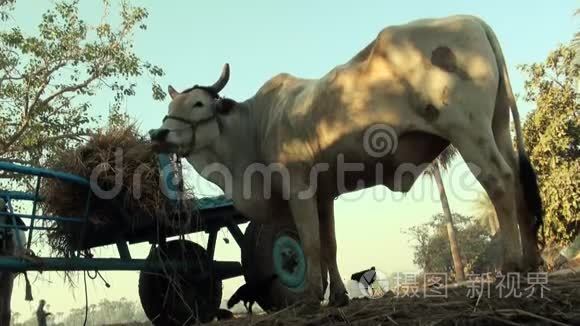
<point x="445" y="59"/>
<point x="431" y="113"/>
<point x="480" y="141"/>
<point x="471" y="117"/>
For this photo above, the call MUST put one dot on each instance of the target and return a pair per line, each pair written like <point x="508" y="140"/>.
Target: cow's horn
<point x="221" y="83"/>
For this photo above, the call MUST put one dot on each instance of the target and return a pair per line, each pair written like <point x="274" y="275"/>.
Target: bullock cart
<point x="179" y="281"/>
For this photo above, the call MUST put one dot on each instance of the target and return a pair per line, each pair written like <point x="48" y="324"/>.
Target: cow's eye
<point x="198" y="104"/>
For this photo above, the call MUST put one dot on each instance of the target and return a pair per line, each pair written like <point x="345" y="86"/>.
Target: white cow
<point x="289" y="150"/>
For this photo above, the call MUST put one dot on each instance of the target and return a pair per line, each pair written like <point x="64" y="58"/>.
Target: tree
<point x="47" y="80"/>
<point x="552" y="137"/>
<point x="5" y="7"/>
<point x="421" y="234"/>
<point x="434" y="170"/>
<point x="107" y="312"/>
<point x="432" y="247"/>
<point x="485" y="213"/>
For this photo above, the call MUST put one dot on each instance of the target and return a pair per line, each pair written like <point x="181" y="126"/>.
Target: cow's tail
<point x="527" y="174"/>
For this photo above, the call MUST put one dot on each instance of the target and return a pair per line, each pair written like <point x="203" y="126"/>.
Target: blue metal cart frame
<point x="214" y="213"/>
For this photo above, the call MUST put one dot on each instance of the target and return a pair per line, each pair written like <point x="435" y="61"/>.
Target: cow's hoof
<point x="338" y="299"/>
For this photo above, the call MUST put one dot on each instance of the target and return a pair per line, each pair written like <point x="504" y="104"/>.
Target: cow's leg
<point x="323" y="255"/>
<point x="323" y="249"/>
<point x="323" y="270"/>
<point x="497" y="178"/>
<point x="528" y="233"/>
<point x="338" y="295"/>
<point x="305" y="215"/>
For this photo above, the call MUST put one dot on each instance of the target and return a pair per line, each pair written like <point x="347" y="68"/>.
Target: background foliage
<point x="552" y="138"/>
<point x="105" y="312"/>
<point x="48" y="79"/>
<point x="432" y="250"/>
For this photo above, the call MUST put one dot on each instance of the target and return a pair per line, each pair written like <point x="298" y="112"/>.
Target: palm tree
<point x="485" y="211"/>
<point x="434" y="170"/>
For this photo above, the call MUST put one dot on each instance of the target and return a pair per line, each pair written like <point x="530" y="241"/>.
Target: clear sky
<point x="191" y="40"/>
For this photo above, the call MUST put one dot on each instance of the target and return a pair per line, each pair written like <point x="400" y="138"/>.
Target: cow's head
<point x="194" y="118"/>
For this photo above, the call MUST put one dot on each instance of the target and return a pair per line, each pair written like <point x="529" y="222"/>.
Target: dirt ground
<point x="497" y="302"/>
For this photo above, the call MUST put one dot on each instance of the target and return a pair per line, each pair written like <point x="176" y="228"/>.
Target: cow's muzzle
<point x="158" y="135"/>
<point x="159" y="141"/>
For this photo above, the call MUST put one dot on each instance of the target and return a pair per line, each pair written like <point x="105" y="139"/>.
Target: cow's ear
<point x="225" y="105"/>
<point x="172" y="92"/>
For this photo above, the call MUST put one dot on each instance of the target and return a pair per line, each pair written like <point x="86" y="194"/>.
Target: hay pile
<point x="560" y="305"/>
<point x="113" y="157"/>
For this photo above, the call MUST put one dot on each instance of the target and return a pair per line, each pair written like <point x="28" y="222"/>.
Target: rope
<point x="92" y="277"/>
<point x="103" y="279"/>
<point x="86" y="299"/>
<point x="28" y="294"/>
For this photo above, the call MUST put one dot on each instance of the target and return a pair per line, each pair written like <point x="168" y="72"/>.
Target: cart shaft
<point x="222" y="269"/>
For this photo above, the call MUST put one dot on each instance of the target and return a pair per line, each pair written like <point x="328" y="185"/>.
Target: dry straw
<point x="559" y="305"/>
<point x="115" y="156"/>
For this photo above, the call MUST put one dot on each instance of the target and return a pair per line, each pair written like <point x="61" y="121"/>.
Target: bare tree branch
<point x="72" y="88"/>
<point x="66" y="136"/>
<point x="28" y="119"/>
<point x="46" y="80"/>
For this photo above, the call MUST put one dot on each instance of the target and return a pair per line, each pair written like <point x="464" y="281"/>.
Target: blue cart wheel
<point x="270" y="249"/>
<point x="289" y="262"/>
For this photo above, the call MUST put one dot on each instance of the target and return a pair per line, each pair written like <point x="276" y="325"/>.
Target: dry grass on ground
<point x="559" y="305"/>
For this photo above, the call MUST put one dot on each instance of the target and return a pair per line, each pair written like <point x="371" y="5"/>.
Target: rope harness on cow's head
<point x="193" y="125"/>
